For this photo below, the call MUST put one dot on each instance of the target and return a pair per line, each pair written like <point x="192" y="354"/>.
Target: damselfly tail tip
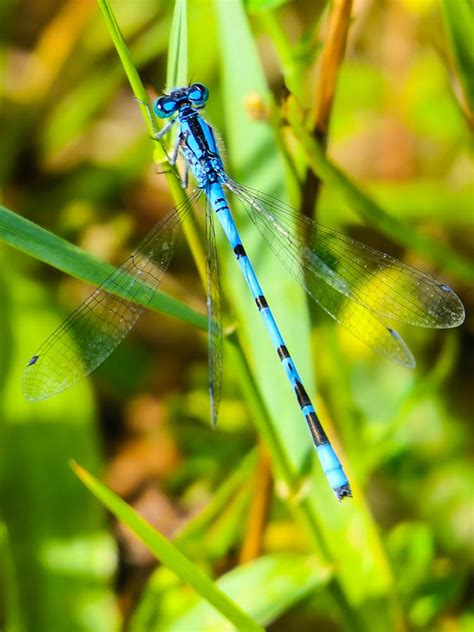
<point x="343" y="491"/>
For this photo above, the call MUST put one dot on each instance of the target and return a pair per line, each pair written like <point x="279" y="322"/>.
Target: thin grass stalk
<point x="327" y="72"/>
<point x="367" y="208"/>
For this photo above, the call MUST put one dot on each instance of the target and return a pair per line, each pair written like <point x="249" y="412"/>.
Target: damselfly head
<point x="194" y="96"/>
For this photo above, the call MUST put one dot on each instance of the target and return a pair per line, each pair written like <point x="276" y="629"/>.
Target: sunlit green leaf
<point x="43" y="245"/>
<point x="459" y="18"/>
<point x="168" y="554"/>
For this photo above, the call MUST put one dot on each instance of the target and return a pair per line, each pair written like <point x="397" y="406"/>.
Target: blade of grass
<point x="71" y="115"/>
<point x="168" y="554"/>
<point x="327" y="72"/>
<point x="362" y="573"/>
<point x="39" y="243"/>
<point x="63" y="534"/>
<point x="459" y="20"/>
<point x="256" y="162"/>
<point x="220" y="499"/>
<point x="177" y="75"/>
<point x="286" y="578"/>
<point x="292" y="66"/>
<point x="130" y="70"/>
<point x="367" y="208"/>
<point x="177" y="69"/>
<point x="11" y="605"/>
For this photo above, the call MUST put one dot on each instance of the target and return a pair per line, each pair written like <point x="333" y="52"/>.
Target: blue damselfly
<point x="359" y="287"/>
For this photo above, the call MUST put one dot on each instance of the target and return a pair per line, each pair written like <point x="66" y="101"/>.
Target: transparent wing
<point x="357" y="285"/>
<point x="214" y="317"/>
<point x="90" y="334"/>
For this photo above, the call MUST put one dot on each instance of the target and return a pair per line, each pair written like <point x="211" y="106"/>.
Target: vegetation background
<point x="245" y="503"/>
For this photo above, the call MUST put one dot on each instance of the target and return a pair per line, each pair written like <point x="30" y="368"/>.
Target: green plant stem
<point x="168" y="554"/>
<point x="292" y="73"/>
<point x="259" y="413"/>
<point x="220" y="499"/>
<point x="178" y="32"/>
<point x="367" y="208"/>
<point x="327" y="72"/>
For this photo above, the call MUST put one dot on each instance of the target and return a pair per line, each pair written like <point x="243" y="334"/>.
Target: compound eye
<point x="164" y="107"/>
<point x="198" y="94"/>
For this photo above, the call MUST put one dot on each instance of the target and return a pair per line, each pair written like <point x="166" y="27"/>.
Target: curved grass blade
<point x="214" y="314"/>
<point x="459" y="20"/>
<point x="90" y="334"/>
<point x="129" y="67"/>
<point x="169" y="555"/>
<point x="37" y="242"/>
<point x="287" y="577"/>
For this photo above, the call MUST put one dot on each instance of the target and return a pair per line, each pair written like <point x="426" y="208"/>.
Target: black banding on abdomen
<point x="261" y="302"/>
<point x="317" y="432"/>
<point x="283" y="352"/>
<point x="302" y="395"/>
<point x="240" y="251"/>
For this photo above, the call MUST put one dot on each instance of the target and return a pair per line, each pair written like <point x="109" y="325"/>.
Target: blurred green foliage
<point x="77" y="160"/>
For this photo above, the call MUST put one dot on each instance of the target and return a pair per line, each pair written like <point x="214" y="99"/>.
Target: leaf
<point x="177" y="69"/>
<point x="167" y="553"/>
<point x="362" y="574"/>
<point x="459" y="19"/>
<point x="253" y="6"/>
<point x="57" y="573"/>
<point x="267" y="587"/>
<point x="43" y="245"/>
<point x="255" y="161"/>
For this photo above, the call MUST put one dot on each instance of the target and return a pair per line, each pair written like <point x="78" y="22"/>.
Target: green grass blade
<point x="39" y="243"/>
<point x="168" y="554"/>
<point x="61" y="557"/>
<point x="267" y="587"/>
<point x="255" y="162"/>
<point x="459" y="19"/>
<point x="176" y="66"/>
<point x="72" y="115"/>
<point x="177" y="69"/>
<point x="203" y="520"/>
<point x="132" y="74"/>
<point x="177" y="75"/>
<point x="367" y="208"/>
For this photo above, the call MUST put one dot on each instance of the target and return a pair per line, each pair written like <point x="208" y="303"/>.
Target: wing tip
<point x="35" y="387"/>
<point x="454" y="311"/>
<point x="406" y="357"/>
<point x="214" y="407"/>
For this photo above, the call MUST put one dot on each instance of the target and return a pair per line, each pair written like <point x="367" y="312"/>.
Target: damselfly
<point x="359" y="287"/>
